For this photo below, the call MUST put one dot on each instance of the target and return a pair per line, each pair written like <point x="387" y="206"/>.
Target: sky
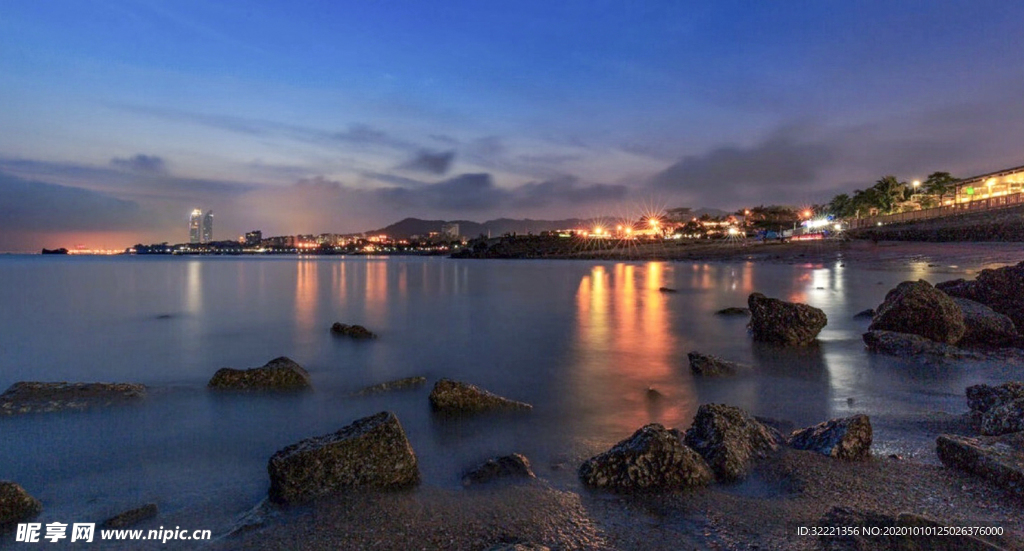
<point x="117" y="118"/>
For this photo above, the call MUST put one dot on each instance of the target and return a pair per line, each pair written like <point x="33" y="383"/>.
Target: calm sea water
<point x="582" y="341"/>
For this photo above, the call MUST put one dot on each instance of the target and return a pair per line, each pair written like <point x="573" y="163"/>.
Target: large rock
<point x="1003" y="418"/>
<point x="397" y="384"/>
<point x="278" y="374"/>
<point x="508" y="466"/>
<point x="984" y="326"/>
<point x="371" y="452"/>
<point x="730" y="440"/>
<point x="982" y="398"/>
<point x="905" y="344"/>
<point x="33" y="397"/>
<point x="652" y="459"/>
<point x="997" y="409"/>
<point x="706" y="365"/>
<point x="788" y="323"/>
<point x="456" y="397"/>
<point x="357" y="332"/>
<point x="16" y="505"/>
<point x="999" y="459"/>
<point x="1001" y="289"/>
<point x="917" y="308"/>
<point x="847" y="438"/>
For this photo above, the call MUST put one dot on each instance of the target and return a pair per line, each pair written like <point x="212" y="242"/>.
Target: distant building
<point x="992" y="185"/>
<point x="450" y="231"/>
<point x="195" y="227"/>
<point x="207" y="233"/>
<point x="253" y="238"/>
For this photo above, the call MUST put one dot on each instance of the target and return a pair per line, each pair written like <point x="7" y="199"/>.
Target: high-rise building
<point x="253" y="238"/>
<point x="195" y="227"/>
<point x="450" y="231"/>
<point x="207" y="236"/>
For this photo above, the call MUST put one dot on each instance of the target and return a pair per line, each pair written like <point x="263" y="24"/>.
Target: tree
<point x="940" y="184"/>
<point x="890" y="192"/>
<point x="841" y="206"/>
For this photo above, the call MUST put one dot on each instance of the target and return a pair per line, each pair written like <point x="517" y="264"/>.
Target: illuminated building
<point x="195" y="225"/>
<point x="994" y="184"/>
<point x="450" y="231"/>
<point x="207" y="233"/>
<point x="254" y="238"/>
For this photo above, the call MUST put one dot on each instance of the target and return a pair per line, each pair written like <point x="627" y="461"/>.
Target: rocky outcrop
<point x="1001" y="289"/>
<point x="905" y="344"/>
<point x="982" y="398"/>
<point x="357" y="332"/>
<point x="997" y="409"/>
<point x="917" y="308"/>
<point x="508" y="466"/>
<point x="653" y="459"/>
<point x="371" y="452"/>
<point x="458" y="398"/>
<point x="398" y="384"/>
<point x="33" y="397"/>
<point x="984" y="326"/>
<point x="278" y="374"/>
<point x="706" y="365"/>
<point x="1000" y="459"/>
<point x="730" y="440"/>
<point x="733" y="311"/>
<point x="131" y="517"/>
<point x="16" y="505"/>
<point x="847" y="438"/>
<point x="787" y="323"/>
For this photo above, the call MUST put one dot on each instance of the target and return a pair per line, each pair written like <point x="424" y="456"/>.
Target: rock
<point x="653" y="459"/>
<point x="33" y="397"/>
<point x="984" y="326"/>
<point x="869" y="313"/>
<point x="16" y="505"/>
<point x="278" y="374"/>
<point x="508" y="466"/>
<point x="1003" y="418"/>
<point x="982" y="398"/>
<point x="917" y="308"/>
<point x="352" y="331"/>
<point x="733" y="311"/>
<point x="706" y="365"/>
<point x="847" y="438"/>
<point x="905" y="344"/>
<point x="730" y="440"/>
<point x="371" y="452"/>
<point x="133" y="516"/>
<point x="667" y="290"/>
<point x="788" y="323"/>
<point x="999" y="459"/>
<point x="398" y="384"/>
<point x="456" y="397"/>
<point x="1001" y="289"/>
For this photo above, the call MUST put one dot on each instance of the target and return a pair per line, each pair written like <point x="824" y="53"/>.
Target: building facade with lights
<point x="992" y="185"/>
<point x="195" y="227"/>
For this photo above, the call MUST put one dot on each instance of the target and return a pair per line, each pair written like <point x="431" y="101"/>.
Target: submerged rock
<point x="984" y="326"/>
<point x="653" y="459"/>
<point x="869" y="313"/>
<point x="34" y="397"/>
<point x="847" y="438"/>
<point x="16" y="505"/>
<point x="455" y="397"/>
<point x="733" y="311"/>
<point x="667" y="290"/>
<point x="508" y="466"/>
<point x="133" y="516"/>
<point x="352" y="331"/>
<point x="371" y="452"/>
<point x="730" y="440"/>
<point x="398" y="384"/>
<point x="917" y="308"/>
<point x="706" y="365"/>
<point x="999" y="459"/>
<point x="781" y="322"/>
<point x="905" y="344"/>
<point x="278" y="374"/>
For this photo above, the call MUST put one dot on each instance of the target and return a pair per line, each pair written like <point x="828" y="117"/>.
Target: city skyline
<point x="348" y="117"/>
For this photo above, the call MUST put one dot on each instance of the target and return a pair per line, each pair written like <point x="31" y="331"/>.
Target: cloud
<point x="429" y="162"/>
<point x="147" y="164"/>
<point x="35" y="206"/>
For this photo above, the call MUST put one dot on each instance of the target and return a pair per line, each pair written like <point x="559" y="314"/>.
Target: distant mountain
<point x="415" y="226"/>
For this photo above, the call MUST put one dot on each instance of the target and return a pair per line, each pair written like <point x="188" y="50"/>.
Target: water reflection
<point x="305" y="295"/>
<point x="624" y="346"/>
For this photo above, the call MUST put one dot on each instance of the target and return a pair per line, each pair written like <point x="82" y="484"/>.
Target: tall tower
<point x="195" y="224"/>
<point x="207" y="236"/>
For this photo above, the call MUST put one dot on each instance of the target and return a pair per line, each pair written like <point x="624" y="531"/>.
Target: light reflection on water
<point x="581" y="341"/>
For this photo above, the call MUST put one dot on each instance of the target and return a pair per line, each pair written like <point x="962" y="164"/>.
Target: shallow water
<point x="582" y="341"/>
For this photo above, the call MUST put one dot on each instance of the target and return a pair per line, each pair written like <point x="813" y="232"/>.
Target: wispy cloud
<point x="146" y="164"/>
<point x="429" y="162"/>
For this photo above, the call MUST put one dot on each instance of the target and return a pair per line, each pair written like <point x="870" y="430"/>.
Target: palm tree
<point x="940" y="183"/>
<point x="841" y="206"/>
<point x="890" y="192"/>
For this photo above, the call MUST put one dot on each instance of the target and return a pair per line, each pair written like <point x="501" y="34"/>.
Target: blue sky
<point x="119" y="117"/>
